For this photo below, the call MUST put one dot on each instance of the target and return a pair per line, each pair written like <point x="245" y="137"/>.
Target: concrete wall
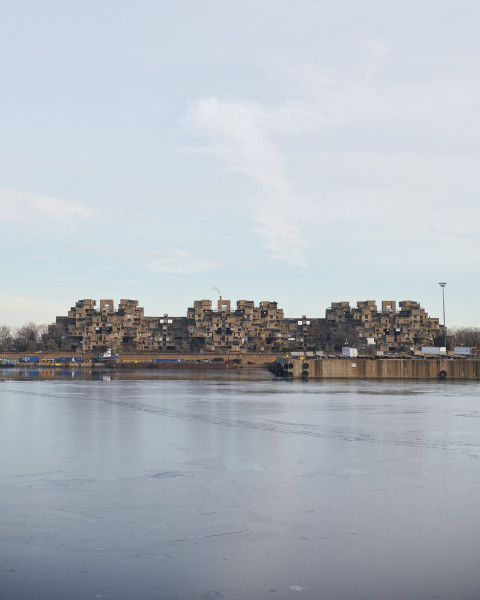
<point x="362" y="368"/>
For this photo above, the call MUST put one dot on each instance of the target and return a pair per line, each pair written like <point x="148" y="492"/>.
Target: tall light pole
<point x="442" y="284"/>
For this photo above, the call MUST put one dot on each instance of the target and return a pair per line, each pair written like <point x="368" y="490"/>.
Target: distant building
<point x="246" y="328"/>
<point x="88" y="329"/>
<point x="387" y="330"/>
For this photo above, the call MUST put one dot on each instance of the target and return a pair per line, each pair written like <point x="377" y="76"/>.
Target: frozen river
<point x="239" y="487"/>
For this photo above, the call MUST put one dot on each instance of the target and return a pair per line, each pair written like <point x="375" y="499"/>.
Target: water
<point x="204" y="486"/>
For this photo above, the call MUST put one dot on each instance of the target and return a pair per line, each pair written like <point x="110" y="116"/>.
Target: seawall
<point x="364" y="368"/>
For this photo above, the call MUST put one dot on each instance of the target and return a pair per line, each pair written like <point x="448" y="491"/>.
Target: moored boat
<point x="7" y="362"/>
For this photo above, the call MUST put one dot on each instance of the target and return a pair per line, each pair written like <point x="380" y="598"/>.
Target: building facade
<point x="246" y="328"/>
<point x="88" y="329"/>
<point x="261" y="328"/>
<point x="365" y="327"/>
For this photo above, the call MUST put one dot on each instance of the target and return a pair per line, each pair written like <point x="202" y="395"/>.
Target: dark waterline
<point x="230" y="485"/>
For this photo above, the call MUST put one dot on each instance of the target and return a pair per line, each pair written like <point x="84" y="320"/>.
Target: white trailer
<point x="350" y="352"/>
<point x="464" y="351"/>
<point x="436" y="350"/>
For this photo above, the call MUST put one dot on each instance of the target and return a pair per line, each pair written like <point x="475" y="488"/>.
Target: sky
<point x="306" y="151"/>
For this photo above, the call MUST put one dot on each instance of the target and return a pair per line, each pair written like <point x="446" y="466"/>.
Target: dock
<point x="377" y="368"/>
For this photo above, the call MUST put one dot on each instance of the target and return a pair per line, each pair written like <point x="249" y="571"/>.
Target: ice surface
<point x="239" y="487"/>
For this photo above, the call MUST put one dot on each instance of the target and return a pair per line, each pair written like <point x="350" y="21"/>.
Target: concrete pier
<point x="365" y="368"/>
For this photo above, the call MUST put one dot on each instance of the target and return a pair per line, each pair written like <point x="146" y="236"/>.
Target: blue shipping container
<point x="167" y="360"/>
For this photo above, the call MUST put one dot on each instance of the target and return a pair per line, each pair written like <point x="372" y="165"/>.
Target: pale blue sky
<point x="299" y="151"/>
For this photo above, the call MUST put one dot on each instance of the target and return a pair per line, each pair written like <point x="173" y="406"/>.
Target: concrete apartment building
<point x="88" y="329"/>
<point x="387" y="330"/>
<point x="246" y="327"/>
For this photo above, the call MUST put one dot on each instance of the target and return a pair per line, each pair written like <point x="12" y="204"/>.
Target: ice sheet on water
<point x="183" y="488"/>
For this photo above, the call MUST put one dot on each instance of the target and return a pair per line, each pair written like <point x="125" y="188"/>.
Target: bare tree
<point x="26" y="337"/>
<point x="51" y="345"/>
<point x="53" y="336"/>
<point x="42" y="330"/>
<point x="5" y="338"/>
<point x="465" y="336"/>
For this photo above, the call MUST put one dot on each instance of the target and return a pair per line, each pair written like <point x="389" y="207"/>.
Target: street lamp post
<point x="442" y="284"/>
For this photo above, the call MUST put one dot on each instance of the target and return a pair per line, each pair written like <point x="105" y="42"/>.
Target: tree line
<point x="463" y="336"/>
<point x="31" y="337"/>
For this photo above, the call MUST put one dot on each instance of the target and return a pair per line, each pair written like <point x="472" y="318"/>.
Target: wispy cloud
<point x="169" y="260"/>
<point x="174" y="261"/>
<point x="238" y="133"/>
<point x="42" y="257"/>
<point x="325" y="97"/>
<point x="23" y="206"/>
<point x="70" y="279"/>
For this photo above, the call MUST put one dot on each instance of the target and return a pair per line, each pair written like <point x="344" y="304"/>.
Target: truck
<point x="349" y="352"/>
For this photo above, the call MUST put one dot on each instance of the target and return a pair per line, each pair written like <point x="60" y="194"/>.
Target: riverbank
<point x="151" y="359"/>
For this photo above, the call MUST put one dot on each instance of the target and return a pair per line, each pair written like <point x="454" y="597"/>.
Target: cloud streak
<point x="174" y="261"/>
<point x="238" y="133"/>
<point x="23" y="206"/>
